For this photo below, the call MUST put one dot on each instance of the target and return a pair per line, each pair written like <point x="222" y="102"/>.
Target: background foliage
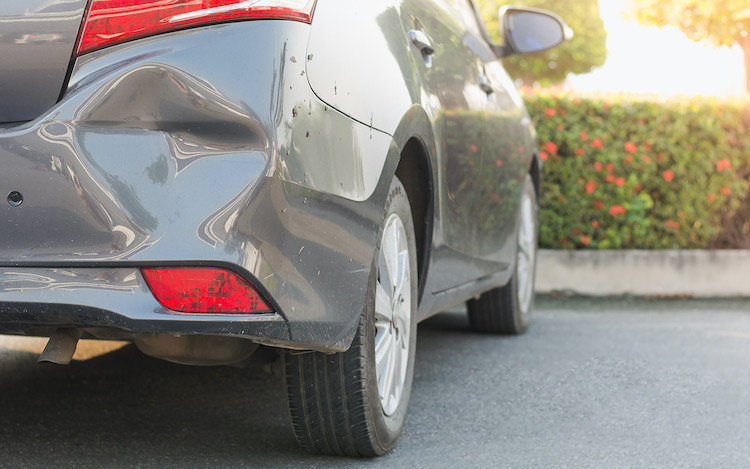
<point x="581" y="54"/>
<point x="720" y="22"/>
<point x="622" y="173"/>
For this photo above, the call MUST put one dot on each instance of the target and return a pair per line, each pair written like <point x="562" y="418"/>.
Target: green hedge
<point x="642" y="174"/>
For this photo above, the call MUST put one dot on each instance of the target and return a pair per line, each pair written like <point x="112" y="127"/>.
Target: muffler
<point x="61" y="346"/>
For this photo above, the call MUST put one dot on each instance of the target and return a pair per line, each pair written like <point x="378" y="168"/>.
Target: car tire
<point x="507" y="309"/>
<point x="336" y="401"/>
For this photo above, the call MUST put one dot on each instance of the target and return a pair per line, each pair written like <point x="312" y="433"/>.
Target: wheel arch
<point x="415" y="140"/>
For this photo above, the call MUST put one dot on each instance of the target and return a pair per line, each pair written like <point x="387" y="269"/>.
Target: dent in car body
<point x="145" y="163"/>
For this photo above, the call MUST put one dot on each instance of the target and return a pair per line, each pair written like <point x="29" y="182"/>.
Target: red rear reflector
<point x="112" y="22"/>
<point x="204" y="290"/>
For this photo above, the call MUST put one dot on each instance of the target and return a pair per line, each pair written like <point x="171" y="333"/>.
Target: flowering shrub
<point x="621" y="173"/>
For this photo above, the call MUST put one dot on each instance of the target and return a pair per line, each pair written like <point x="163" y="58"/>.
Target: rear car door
<point x="452" y="93"/>
<point x="506" y="151"/>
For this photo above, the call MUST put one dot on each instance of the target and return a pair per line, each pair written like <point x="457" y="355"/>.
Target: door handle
<point x="484" y="85"/>
<point x="421" y="41"/>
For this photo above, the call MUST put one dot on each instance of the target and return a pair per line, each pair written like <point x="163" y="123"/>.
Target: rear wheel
<point x="507" y="309"/>
<point x="354" y="403"/>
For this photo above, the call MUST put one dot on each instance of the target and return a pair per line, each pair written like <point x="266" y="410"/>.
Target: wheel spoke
<point x="388" y="374"/>
<point x="383" y="346"/>
<point x="403" y="259"/>
<point x="384" y="276"/>
<point x="402" y="319"/>
<point x="396" y="384"/>
<point x="383" y="305"/>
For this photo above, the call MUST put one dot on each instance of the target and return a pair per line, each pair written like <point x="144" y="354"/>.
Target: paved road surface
<point x="602" y="384"/>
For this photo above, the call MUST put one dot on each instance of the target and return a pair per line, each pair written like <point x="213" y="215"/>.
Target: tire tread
<point x="330" y="417"/>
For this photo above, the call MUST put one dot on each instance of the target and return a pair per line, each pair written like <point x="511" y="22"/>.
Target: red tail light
<point x="204" y="290"/>
<point x="112" y="22"/>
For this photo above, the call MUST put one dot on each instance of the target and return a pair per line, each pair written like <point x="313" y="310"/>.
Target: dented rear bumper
<point x="203" y="147"/>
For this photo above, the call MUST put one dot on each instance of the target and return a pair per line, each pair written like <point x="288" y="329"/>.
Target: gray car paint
<point x="209" y="147"/>
<point x="154" y="157"/>
<point x="477" y="198"/>
<point x="37" y="38"/>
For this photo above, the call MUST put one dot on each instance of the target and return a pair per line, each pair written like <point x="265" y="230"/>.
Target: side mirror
<point x="528" y="30"/>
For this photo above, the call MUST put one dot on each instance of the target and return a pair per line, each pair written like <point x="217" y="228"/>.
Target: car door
<point x="452" y="93"/>
<point x="506" y="155"/>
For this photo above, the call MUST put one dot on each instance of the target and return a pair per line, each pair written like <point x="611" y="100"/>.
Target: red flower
<point x="596" y="143"/>
<point x="646" y="158"/>
<point x="724" y="190"/>
<point x="498" y="163"/>
<point x="628" y="159"/>
<point x="710" y="197"/>
<point x="619" y="182"/>
<point x="610" y="178"/>
<point x="579" y="151"/>
<point x="598" y="167"/>
<point x="560" y="127"/>
<point x="543" y="155"/>
<point x="668" y="175"/>
<point x="610" y="167"/>
<point x="584" y="136"/>
<point x="631" y="147"/>
<point x="585" y="240"/>
<point x="549" y="112"/>
<point x="672" y="224"/>
<point x="576" y="101"/>
<point x="595" y="224"/>
<point x="590" y="187"/>
<point x="722" y="165"/>
<point x="638" y="188"/>
<point x="598" y="205"/>
<point x="473" y="148"/>
<point x="551" y="148"/>
<point x="616" y="210"/>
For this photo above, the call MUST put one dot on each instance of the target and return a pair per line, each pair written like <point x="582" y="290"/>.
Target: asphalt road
<point x="602" y="384"/>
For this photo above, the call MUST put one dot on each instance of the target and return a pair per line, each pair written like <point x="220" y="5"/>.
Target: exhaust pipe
<point x="61" y="346"/>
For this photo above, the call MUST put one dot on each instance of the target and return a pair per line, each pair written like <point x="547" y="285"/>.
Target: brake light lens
<point x="111" y="22"/>
<point x="204" y="290"/>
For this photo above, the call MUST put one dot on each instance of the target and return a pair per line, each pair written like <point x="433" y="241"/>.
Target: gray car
<point x="221" y="180"/>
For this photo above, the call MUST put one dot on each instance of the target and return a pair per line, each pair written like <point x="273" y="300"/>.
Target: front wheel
<point x="507" y="309"/>
<point x="354" y="403"/>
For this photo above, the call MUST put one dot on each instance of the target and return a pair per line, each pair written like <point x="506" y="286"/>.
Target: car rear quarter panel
<point x="360" y="62"/>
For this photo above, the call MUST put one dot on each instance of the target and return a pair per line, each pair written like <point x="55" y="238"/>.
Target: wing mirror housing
<point x="527" y="30"/>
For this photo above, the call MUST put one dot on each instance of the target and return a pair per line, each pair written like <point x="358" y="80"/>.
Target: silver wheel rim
<point x="392" y="314"/>
<point x="526" y="254"/>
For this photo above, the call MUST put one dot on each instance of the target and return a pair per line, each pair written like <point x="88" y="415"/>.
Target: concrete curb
<point x="695" y="273"/>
